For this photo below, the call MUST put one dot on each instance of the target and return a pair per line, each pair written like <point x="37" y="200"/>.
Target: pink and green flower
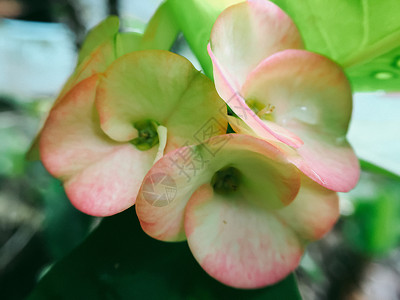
<point x="284" y="93"/>
<point x="246" y="211"/>
<point x="107" y="131"/>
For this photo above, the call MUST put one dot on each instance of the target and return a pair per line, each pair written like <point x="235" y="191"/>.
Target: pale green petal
<point x="268" y="181"/>
<point x="162" y="87"/>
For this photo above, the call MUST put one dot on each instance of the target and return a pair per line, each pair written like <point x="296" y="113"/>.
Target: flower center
<point x="226" y="181"/>
<point x="148" y="136"/>
<point x="264" y="112"/>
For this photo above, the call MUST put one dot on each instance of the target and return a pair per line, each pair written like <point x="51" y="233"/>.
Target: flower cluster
<point x="146" y="128"/>
<point x="103" y="136"/>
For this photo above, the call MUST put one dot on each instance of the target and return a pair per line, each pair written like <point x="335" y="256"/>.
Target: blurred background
<point x="359" y="259"/>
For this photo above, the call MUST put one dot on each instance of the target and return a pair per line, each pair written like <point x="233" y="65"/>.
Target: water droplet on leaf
<point x="384" y="75"/>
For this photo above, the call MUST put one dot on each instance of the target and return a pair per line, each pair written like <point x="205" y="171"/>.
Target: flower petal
<point x="268" y="178"/>
<point x="246" y="33"/>
<point x="110" y="185"/>
<point x="328" y="161"/>
<point x="230" y="93"/>
<point x="312" y="98"/>
<point x="104" y="31"/>
<point x="304" y="88"/>
<point x="102" y="56"/>
<point x="96" y="62"/>
<point x="314" y="211"/>
<point x="244" y="246"/>
<point x="97" y="172"/>
<point x="162" y="142"/>
<point x="237" y="243"/>
<point x="163" y="87"/>
<point x="71" y="139"/>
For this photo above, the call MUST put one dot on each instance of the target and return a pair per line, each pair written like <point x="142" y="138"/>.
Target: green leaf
<point x="196" y="18"/>
<point x="371" y="168"/>
<point x="13" y="147"/>
<point x="350" y="32"/>
<point x="119" y="261"/>
<point x="381" y="73"/>
<point x="374" y="228"/>
<point x="363" y="36"/>
<point x="64" y="226"/>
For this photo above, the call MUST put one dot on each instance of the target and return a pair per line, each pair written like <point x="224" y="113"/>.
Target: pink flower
<point x="246" y="211"/>
<point x="103" y="136"/>
<point x="284" y="93"/>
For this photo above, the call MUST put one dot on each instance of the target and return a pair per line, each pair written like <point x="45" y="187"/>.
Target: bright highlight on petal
<point x="304" y="88"/>
<point x="162" y="136"/>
